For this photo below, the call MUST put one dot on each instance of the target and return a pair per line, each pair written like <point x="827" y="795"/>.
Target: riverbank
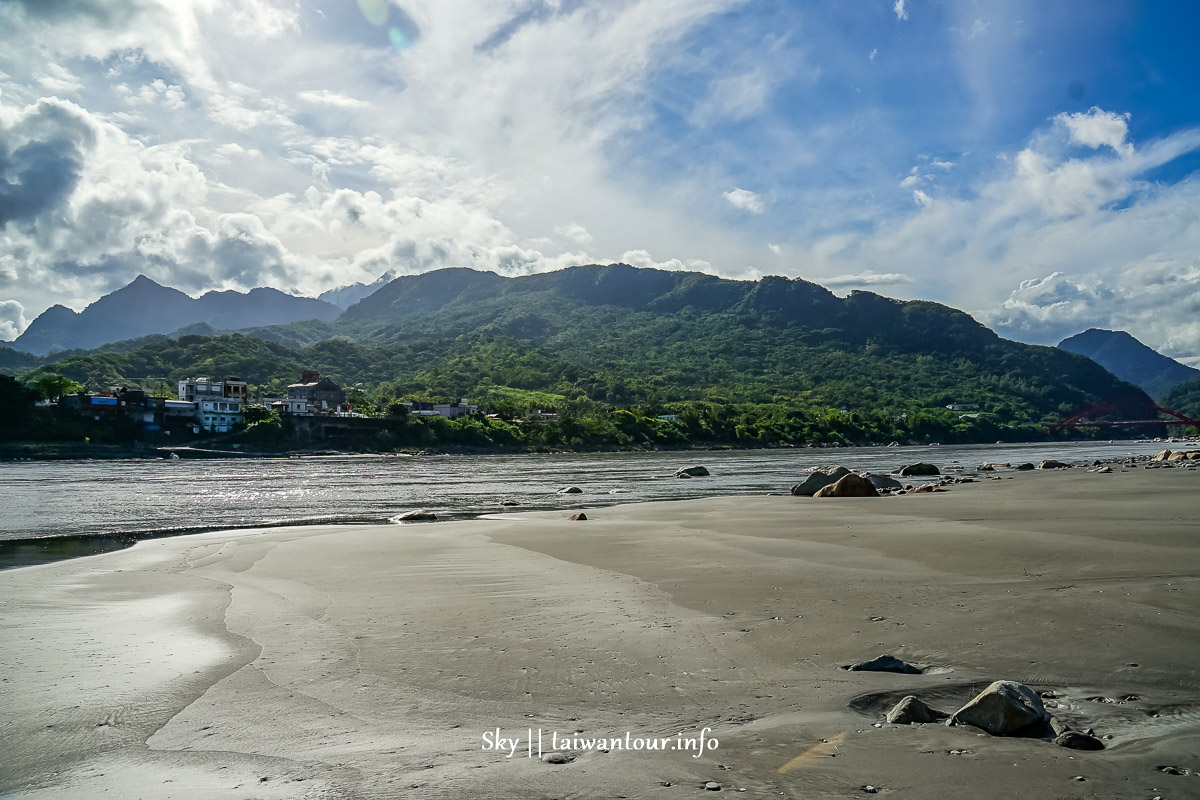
<point x="369" y="661"/>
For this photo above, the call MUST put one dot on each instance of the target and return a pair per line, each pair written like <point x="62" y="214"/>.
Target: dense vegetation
<point x="614" y="348"/>
<point x="1184" y="398"/>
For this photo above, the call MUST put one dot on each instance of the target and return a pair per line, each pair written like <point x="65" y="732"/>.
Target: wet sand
<point x="368" y="661"/>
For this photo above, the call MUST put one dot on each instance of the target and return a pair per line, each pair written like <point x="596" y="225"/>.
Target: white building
<point x="219" y="403"/>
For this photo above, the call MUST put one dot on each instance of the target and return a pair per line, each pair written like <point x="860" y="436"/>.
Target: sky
<point x="1035" y="164"/>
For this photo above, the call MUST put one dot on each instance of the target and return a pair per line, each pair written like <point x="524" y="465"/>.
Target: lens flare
<point x="376" y="11"/>
<point x="399" y="39"/>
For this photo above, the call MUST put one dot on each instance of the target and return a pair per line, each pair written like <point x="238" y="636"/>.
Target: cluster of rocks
<point x="838" y="481"/>
<point x="1005" y="708"/>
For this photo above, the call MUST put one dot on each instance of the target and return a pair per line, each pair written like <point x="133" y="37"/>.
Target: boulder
<point x="1002" y="709"/>
<point x="885" y="663"/>
<point x="992" y="466"/>
<point x="819" y="478"/>
<point x="580" y="517"/>
<point x="920" y="468"/>
<point x="1050" y="463"/>
<point x="557" y="757"/>
<point x="1162" y="455"/>
<point x="1025" y="467"/>
<point x="420" y="515"/>
<point x="570" y="490"/>
<point x="691" y="472"/>
<point x="848" y="486"/>
<point x="1178" y="455"/>
<point x="911" y="710"/>
<point x="1102" y="470"/>
<point x="884" y="482"/>
<point x="928" y="488"/>
<point x="1078" y="741"/>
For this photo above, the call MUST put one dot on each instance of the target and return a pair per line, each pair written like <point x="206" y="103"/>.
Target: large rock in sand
<point x="819" y="479"/>
<point x="911" y="710"/>
<point x="885" y="663"/>
<point x="1002" y="709"/>
<point x="1050" y="463"/>
<point x="920" y="468"/>
<point x="1162" y="455"/>
<point x="848" y="486"/>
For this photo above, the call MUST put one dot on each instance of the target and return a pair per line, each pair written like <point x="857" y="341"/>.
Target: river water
<point x="138" y="498"/>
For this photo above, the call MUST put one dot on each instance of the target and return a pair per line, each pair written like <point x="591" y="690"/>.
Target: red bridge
<point x="1088" y="418"/>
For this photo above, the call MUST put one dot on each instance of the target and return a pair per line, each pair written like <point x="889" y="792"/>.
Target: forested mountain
<point x="620" y="336"/>
<point x="144" y="307"/>
<point x="1130" y="360"/>
<point x="1184" y="398"/>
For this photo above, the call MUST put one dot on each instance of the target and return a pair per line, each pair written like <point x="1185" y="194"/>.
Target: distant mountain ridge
<point x="1130" y="360"/>
<point x="621" y="335"/>
<point x="144" y="307"/>
<point x="345" y="296"/>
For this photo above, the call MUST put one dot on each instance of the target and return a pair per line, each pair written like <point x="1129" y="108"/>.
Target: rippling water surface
<point x="86" y="498"/>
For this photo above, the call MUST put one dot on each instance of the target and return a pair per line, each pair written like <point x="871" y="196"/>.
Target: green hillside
<point x="784" y="360"/>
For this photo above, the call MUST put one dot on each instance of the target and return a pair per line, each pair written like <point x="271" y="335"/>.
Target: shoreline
<point x="52" y="451"/>
<point x="18" y="552"/>
<point x="352" y="661"/>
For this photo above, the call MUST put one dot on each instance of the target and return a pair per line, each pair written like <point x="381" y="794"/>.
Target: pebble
<point x="712" y="786"/>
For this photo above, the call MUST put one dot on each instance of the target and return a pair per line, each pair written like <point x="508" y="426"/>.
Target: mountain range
<point x="622" y="335"/>
<point x="1130" y="360"/>
<point x="144" y="307"/>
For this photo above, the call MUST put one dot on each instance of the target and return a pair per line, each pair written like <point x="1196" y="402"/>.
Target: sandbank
<point x="368" y="661"/>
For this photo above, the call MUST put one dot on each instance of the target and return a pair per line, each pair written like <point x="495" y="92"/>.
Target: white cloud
<point x="774" y="248"/>
<point x="575" y="232"/>
<point x="901" y="11"/>
<point x="1098" y="128"/>
<point x="864" y="280"/>
<point x="12" y="320"/>
<point x="325" y="97"/>
<point x="641" y="258"/>
<point x="874" y="52"/>
<point x="59" y="80"/>
<point x="745" y="200"/>
<point x="922" y="199"/>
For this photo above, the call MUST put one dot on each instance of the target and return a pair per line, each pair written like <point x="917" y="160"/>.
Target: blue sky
<point x="1032" y="163"/>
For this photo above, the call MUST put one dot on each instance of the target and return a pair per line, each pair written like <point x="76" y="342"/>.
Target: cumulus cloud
<point x="1157" y="299"/>
<point x="900" y="10"/>
<point x="922" y="199"/>
<point x="1098" y="128"/>
<point x="641" y="258"/>
<point x="774" y="248"/>
<point x="745" y="200"/>
<point x="12" y="320"/>
<point x="42" y="155"/>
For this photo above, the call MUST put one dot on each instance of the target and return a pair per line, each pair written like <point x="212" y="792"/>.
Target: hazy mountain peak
<point x="1130" y="360"/>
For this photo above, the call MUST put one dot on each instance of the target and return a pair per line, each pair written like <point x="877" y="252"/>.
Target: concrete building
<point x="314" y="395"/>
<point x="219" y="403"/>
